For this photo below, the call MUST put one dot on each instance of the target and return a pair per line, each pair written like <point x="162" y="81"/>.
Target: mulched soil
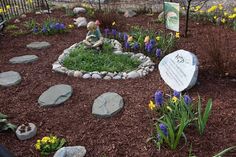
<point x="126" y="133"/>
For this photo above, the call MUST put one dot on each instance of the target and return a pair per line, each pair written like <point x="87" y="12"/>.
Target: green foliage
<point x="4" y="124"/>
<point x="203" y="117"/>
<point x="69" y="12"/>
<point x="221" y="154"/>
<point x="86" y="59"/>
<point x="166" y="43"/>
<point x="49" y="144"/>
<point x="30" y="25"/>
<point x="11" y="27"/>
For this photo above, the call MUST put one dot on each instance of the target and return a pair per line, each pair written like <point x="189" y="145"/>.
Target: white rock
<point x="117" y="77"/>
<point x="81" y="22"/>
<point x="72" y="151"/>
<point x="96" y="76"/>
<point x="78" y="10"/>
<point x="107" y="77"/>
<point x="179" y="70"/>
<point x="86" y="76"/>
<point x="78" y="74"/>
<point x="133" y="74"/>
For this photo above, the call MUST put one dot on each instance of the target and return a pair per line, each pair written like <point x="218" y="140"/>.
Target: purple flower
<point x="57" y="26"/>
<point x="106" y="31"/>
<point x="158" y="98"/>
<point x="35" y="30"/>
<point x="187" y="100"/>
<point x="114" y="32"/>
<point x="149" y="47"/>
<point x="127" y="45"/>
<point x="152" y="41"/>
<point x="125" y="37"/>
<point x="136" y="46"/>
<point x="163" y="129"/>
<point x="158" y="53"/>
<point x="62" y="26"/>
<point x="44" y="29"/>
<point x="176" y="94"/>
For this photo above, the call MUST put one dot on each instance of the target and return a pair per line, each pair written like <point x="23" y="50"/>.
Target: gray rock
<point x="72" y="151"/>
<point x="23" y="59"/>
<point x="38" y="45"/>
<point x="78" y="74"/>
<point x="78" y="10"/>
<point x="9" y="78"/>
<point x="107" y="77"/>
<point x="118" y="52"/>
<point x="133" y="74"/>
<point x="130" y="13"/>
<point x="96" y="76"/>
<point x="55" y="95"/>
<point x="117" y="77"/>
<point x="28" y="133"/>
<point x="86" y="76"/>
<point x="107" y="104"/>
<point x="80" y="22"/>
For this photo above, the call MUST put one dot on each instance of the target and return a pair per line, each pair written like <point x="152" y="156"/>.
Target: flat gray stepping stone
<point x="23" y="59"/>
<point x="9" y="78"/>
<point x="55" y="95"/>
<point x="107" y="105"/>
<point x="38" y="45"/>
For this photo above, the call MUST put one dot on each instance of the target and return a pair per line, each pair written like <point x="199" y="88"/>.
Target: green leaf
<point x="207" y="111"/>
<point x="224" y="151"/>
<point x="3" y="116"/>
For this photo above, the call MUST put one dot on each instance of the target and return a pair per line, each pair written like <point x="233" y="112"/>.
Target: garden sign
<point x="179" y="70"/>
<point x="171" y="11"/>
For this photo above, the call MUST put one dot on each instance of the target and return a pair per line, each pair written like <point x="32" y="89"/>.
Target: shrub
<point x="4" y="124"/>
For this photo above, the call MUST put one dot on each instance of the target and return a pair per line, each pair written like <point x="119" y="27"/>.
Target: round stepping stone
<point x="24" y="132"/>
<point x="9" y="78"/>
<point x="23" y="59"/>
<point x="38" y="45"/>
<point x="55" y="95"/>
<point x="107" y="105"/>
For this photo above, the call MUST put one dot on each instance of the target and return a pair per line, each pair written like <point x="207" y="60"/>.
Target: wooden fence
<point x="12" y="8"/>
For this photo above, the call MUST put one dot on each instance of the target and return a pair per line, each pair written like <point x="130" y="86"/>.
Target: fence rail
<point x="12" y="8"/>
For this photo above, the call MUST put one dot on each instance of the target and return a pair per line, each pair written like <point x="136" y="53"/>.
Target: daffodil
<point x="169" y="108"/>
<point x="147" y="38"/>
<point x="220" y="6"/>
<point x="8" y="6"/>
<point x="201" y="11"/>
<point x="70" y="26"/>
<point x="1" y="10"/>
<point x="113" y="23"/>
<point x="177" y="35"/>
<point x="130" y="39"/>
<point x="211" y="9"/>
<point x="235" y="9"/>
<point x="225" y="13"/>
<point x="151" y="105"/>
<point x="158" y="38"/>
<point x="197" y="8"/>
<point x="223" y="20"/>
<point x="37" y="146"/>
<point x="174" y="99"/>
<point x="232" y="16"/>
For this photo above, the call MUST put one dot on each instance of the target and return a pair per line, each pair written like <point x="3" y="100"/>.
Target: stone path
<point x="38" y="45"/>
<point x="9" y="78"/>
<point x="107" y="105"/>
<point x="23" y="59"/>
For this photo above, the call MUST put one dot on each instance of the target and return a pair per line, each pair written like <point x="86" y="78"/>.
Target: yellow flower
<point x="45" y="139"/>
<point x="220" y="6"/>
<point x="158" y="38"/>
<point x="38" y="141"/>
<point x="169" y="108"/>
<point x="147" y="38"/>
<point x="177" y="35"/>
<point x="37" y="146"/>
<point x="223" y="20"/>
<point x="201" y="11"/>
<point x="174" y="99"/>
<point x="197" y="8"/>
<point x="1" y="10"/>
<point x="215" y="17"/>
<point x="151" y="105"/>
<point x="225" y="13"/>
<point x="232" y="16"/>
<point x="235" y="9"/>
<point x="211" y="9"/>
<point x="113" y="23"/>
<point x="71" y="26"/>
<point x="130" y="39"/>
<point x="53" y="139"/>
<point x="8" y="6"/>
<point x="183" y="8"/>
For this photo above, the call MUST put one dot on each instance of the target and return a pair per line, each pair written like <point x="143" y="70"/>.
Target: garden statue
<point x="94" y="37"/>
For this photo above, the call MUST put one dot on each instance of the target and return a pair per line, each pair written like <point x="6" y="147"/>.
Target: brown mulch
<point x="126" y="133"/>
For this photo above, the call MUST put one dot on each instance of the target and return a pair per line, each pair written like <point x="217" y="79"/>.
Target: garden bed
<point x="126" y="133"/>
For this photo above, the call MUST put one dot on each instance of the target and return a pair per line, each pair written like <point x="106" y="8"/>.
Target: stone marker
<point x="9" y="78"/>
<point x="23" y="59"/>
<point x="38" y="45"/>
<point x="107" y="104"/>
<point x="24" y="132"/>
<point x="179" y="70"/>
<point x="55" y="95"/>
<point x="72" y="151"/>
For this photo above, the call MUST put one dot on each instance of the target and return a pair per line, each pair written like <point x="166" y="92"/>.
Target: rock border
<point x="146" y="66"/>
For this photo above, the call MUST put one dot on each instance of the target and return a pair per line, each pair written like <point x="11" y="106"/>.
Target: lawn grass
<point x="90" y="60"/>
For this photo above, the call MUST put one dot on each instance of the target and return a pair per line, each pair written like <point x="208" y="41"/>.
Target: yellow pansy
<point x="37" y="146"/>
<point x="177" y="35"/>
<point x="223" y="20"/>
<point x="113" y="23"/>
<point x="158" y="38"/>
<point x="1" y="10"/>
<point x="197" y="8"/>
<point x="130" y="39"/>
<point x="220" y="6"/>
<point x="211" y="9"/>
<point x="45" y="139"/>
<point x="169" y="108"/>
<point x="225" y="13"/>
<point x="232" y="16"/>
<point x="71" y="26"/>
<point x="151" y="105"/>
<point x="8" y="6"/>
<point x="174" y="99"/>
<point x="235" y="9"/>
<point x="147" y="38"/>
<point x="38" y="141"/>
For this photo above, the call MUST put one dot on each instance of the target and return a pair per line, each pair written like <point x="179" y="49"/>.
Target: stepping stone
<point x="38" y="45"/>
<point x="107" y="105"/>
<point x="23" y="59"/>
<point x="72" y="151"/>
<point x="9" y="78"/>
<point x="55" y="95"/>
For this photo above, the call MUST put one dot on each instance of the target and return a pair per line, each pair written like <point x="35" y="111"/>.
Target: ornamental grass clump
<point x="176" y="113"/>
<point x="49" y="144"/>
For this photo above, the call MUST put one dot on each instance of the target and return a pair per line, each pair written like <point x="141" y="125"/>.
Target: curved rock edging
<point x="146" y="66"/>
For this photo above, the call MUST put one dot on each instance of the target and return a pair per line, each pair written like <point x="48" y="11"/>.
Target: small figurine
<point x="94" y="37"/>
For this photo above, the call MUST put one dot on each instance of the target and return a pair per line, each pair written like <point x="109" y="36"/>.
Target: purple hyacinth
<point x="152" y="41"/>
<point x="136" y="46"/>
<point x="158" y="98"/>
<point x="158" y="53"/>
<point x="35" y="30"/>
<point x="62" y="26"/>
<point x="187" y="100"/>
<point x="125" y="37"/>
<point x="127" y="45"/>
<point x="149" y="47"/>
<point x="106" y="31"/>
<point x="176" y="94"/>
<point x="163" y="129"/>
<point x="57" y="26"/>
<point x="44" y="29"/>
<point x="114" y="32"/>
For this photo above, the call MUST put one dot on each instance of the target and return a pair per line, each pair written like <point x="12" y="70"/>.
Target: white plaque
<point x="179" y="70"/>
